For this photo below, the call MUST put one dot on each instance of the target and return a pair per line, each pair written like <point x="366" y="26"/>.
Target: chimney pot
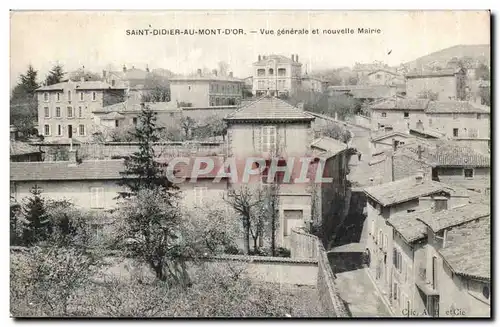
<point x="259" y="58"/>
<point x="230" y="74"/>
<point x="199" y="72"/>
<point x="293" y="57"/>
<point x="297" y="58"/>
<point x="214" y="72"/>
<point x="124" y="68"/>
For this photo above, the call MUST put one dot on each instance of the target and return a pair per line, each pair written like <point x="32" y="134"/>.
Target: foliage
<point x="15" y="225"/>
<point x="122" y="134"/>
<point x="211" y="126"/>
<point x="428" y="94"/>
<point x="188" y="124"/>
<point x="45" y="281"/>
<point x="77" y="76"/>
<point x="223" y="68"/>
<point x="23" y="103"/>
<point x="335" y="131"/>
<point x="151" y="229"/>
<point x="483" y="72"/>
<point x="485" y="95"/>
<point x="142" y="170"/>
<point x="158" y="89"/>
<point x="210" y="229"/>
<point x="56" y="75"/>
<point x="37" y="224"/>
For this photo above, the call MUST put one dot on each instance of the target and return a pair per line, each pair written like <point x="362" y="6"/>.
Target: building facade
<point x="206" y="91"/>
<point x="447" y="84"/>
<point x="65" y="109"/>
<point x="276" y="75"/>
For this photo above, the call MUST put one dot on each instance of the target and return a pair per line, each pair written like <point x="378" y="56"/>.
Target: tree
<point x="151" y="228"/>
<point x="55" y="76"/>
<point x="336" y="131"/>
<point x="23" y="102"/>
<point x="14" y="223"/>
<point x="188" y="124"/>
<point x="483" y="72"/>
<point x="158" y="89"/>
<point x="428" y="94"/>
<point x="37" y="227"/>
<point x="484" y="93"/>
<point x="142" y="170"/>
<point x="211" y="126"/>
<point x="244" y="202"/>
<point x="77" y="76"/>
<point x="343" y="106"/>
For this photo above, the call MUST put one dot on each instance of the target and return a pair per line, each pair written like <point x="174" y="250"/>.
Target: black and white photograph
<point x="250" y="164"/>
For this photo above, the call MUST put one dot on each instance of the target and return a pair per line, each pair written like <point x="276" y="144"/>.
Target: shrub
<point x="283" y="252"/>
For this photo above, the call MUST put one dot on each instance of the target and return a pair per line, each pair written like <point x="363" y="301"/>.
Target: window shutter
<point x="394" y="257"/>
<point x="93" y="197"/>
<point x="281" y="142"/>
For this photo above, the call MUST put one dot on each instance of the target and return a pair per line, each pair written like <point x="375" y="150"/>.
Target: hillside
<point x="480" y="52"/>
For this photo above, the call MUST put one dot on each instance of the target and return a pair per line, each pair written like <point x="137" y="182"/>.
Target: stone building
<point x="448" y="84"/>
<point x="276" y="75"/>
<point x="65" y="109"/>
<point x="204" y="91"/>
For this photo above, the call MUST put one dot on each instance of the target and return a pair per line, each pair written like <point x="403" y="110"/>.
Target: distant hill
<point x="480" y="52"/>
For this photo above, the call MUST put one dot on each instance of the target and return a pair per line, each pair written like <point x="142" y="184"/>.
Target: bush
<point x="232" y="249"/>
<point x="283" y="252"/>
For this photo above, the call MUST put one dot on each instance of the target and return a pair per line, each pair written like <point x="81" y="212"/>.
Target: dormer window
<point x="271" y="71"/>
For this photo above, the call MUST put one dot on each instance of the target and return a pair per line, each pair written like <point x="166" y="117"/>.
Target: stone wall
<point x="310" y="245"/>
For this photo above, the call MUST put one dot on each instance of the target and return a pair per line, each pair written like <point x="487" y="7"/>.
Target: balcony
<point x="423" y="284"/>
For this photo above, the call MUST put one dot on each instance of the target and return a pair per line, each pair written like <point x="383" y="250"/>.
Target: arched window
<point x="271" y="71"/>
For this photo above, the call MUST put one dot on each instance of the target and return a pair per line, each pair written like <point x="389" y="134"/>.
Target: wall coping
<point x="256" y="258"/>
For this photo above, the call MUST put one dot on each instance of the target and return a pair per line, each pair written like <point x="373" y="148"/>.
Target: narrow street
<point x="360" y="295"/>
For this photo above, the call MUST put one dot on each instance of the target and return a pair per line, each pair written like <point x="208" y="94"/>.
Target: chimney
<point x="293" y="57"/>
<point x="147" y="68"/>
<point x="259" y="58"/>
<point x="419" y="177"/>
<point x="297" y="58"/>
<point x="231" y="74"/>
<point x="199" y="72"/>
<point x="214" y="72"/>
<point x="124" y="68"/>
<point x="82" y="79"/>
<point x="394" y="145"/>
<point x="300" y="105"/>
<point x="104" y="74"/>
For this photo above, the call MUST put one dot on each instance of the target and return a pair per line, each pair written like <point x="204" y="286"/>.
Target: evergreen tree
<point x="142" y="170"/>
<point x="55" y="75"/>
<point x="23" y="103"/>
<point x="37" y="227"/>
<point x="29" y="80"/>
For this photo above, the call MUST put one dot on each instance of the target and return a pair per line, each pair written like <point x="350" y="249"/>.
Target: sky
<point x="98" y="39"/>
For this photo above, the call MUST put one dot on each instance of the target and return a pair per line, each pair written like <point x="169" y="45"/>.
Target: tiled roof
<point x="468" y="249"/>
<point x="93" y="170"/>
<point x="409" y="226"/>
<point x="456" y="216"/>
<point x="434" y="73"/>
<point x="383" y="70"/>
<point x="384" y="135"/>
<point x="399" y="103"/>
<point x="350" y="247"/>
<point x="269" y="108"/>
<point x="88" y="85"/>
<point x="113" y="116"/>
<point x="433" y="133"/>
<point x="459" y="107"/>
<point x="403" y="190"/>
<point x="329" y="144"/>
<point x="60" y="170"/>
<point x="18" y="148"/>
<point x="446" y="153"/>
